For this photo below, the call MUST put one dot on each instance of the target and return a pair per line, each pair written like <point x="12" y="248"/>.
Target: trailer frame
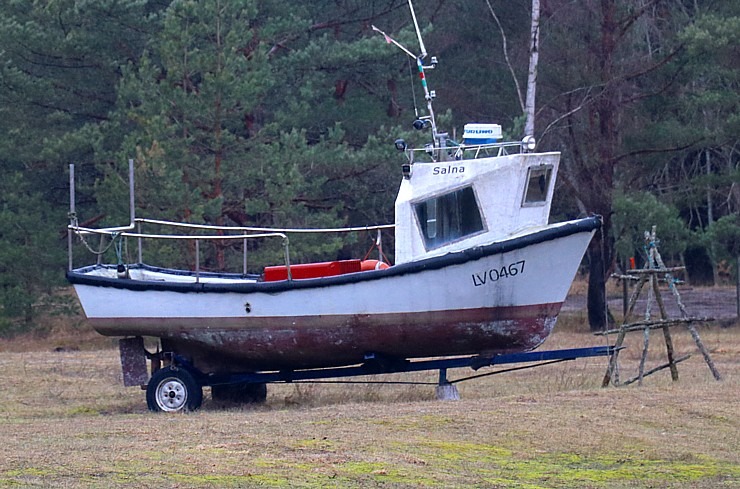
<point x="134" y="355"/>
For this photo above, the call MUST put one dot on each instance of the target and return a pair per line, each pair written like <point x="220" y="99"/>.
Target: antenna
<point x="403" y="48"/>
<point x="390" y="40"/>
<point x="429" y="120"/>
<point x="418" y="32"/>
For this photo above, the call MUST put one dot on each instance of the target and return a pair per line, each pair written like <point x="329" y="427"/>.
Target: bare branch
<point x="584" y="102"/>
<point x="658" y="150"/>
<point x="506" y="55"/>
<point x="628" y="21"/>
<point x="653" y="93"/>
<point x="654" y="66"/>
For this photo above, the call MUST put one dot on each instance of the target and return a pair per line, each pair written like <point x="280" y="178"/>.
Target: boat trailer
<point x="181" y="374"/>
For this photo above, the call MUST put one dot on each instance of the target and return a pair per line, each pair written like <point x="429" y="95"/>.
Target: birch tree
<point x="526" y="101"/>
<point x="534" y="48"/>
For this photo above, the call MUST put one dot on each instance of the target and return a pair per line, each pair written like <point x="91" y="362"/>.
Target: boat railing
<point x="461" y="151"/>
<point x="134" y="230"/>
<point x="191" y="232"/>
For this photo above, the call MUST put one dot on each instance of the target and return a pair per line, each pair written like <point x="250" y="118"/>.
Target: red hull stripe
<point x="218" y="344"/>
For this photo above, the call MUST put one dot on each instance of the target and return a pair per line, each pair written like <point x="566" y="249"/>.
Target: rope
<point x="114" y="236"/>
<point x="385" y="258"/>
<point x="74" y="223"/>
<point x="413" y="90"/>
<point x="372" y="247"/>
<point x="119" y="251"/>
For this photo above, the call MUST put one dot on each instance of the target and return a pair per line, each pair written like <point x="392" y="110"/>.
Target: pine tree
<point x="228" y="129"/>
<point x="59" y="64"/>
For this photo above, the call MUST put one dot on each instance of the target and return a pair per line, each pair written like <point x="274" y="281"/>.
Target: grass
<point x="67" y="421"/>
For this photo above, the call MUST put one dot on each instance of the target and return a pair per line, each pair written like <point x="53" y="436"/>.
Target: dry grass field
<point x="66" y="421"/>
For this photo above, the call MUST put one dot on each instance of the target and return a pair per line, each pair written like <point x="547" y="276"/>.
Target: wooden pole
<point x="73" y="216"/>
<point x="646" y="331"/>
<point x="657" y="369"/>
<point x="612" y="371"/>
<point x="690" y="326"/>
<point x="654" y="324"/>
<point x="666" y="333"/>
<point x="625" y="298"/>
<point x="704" y="351"/>
<point x="653" y="268"/>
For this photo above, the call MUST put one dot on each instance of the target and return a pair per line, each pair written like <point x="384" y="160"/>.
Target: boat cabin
<point x="445" y="206"/>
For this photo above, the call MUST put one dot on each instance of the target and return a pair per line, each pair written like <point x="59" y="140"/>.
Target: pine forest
<point x="283" y="114"/>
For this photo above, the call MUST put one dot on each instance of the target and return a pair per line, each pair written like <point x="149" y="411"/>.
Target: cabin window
<point x="449" y="217"/>
<point x="538" y="185"/>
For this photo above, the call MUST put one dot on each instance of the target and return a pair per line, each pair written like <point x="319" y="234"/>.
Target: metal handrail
<point x="114" y="232"/>
<point x="125" y="229"/>
<point x="501" y="149"/>
<point x="264" y="229"/>
<point x="245" y="232"/>
<point x="79" y="230"/>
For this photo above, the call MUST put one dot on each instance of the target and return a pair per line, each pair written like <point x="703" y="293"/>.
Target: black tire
<point x="173" y="389"/>
<point x="245" y="393"/>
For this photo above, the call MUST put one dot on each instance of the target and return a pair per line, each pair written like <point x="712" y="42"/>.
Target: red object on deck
<point x="373" y="265"/>
<point x="312" y="270"/>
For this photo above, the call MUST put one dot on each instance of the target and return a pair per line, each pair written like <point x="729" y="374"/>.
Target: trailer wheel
<point x="173" y="389"/>
<point x="245" y="393"/>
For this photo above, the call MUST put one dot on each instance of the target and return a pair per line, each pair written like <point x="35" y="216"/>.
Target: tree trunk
<point x="737" y="283"/>
<point x="606" y="110"/>
<point x="710" y="218"/>
<point x="596" y="298"/>
<point x="600" y="266"/>
<point x="534" y="47"/>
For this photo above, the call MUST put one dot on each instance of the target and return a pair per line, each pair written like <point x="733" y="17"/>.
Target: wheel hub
<point x="171" y="395"/>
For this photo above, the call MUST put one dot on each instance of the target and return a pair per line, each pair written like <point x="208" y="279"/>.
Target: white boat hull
<point x="503" y="297"/>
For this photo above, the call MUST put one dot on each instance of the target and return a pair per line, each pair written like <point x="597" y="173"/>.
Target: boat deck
<point x="147" y="273"/>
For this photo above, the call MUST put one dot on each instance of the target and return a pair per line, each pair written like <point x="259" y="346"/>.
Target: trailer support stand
<point x="133" y="361"/>
<point x="445" y="390"/>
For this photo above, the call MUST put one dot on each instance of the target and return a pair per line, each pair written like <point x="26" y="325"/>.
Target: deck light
<point x="420" y="124"/>
<point x="529" y="143"/>
<point x="400" y="145"/>
<point x="406" y="170"/>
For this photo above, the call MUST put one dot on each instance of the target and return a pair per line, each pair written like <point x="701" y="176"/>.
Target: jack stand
<point x="445" y="390"/>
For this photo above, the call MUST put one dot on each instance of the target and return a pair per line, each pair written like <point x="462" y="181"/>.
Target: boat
<point x="478" y="270"/>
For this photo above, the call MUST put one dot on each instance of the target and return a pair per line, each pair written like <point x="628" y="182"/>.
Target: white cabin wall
<point x="499" y="185"/>
<point x="407" y="236"/>
<point x="527" y="217"/>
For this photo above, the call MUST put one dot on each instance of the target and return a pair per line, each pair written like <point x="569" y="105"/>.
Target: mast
<point x="440" y="139"/>
<point x="418" y="32"/>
